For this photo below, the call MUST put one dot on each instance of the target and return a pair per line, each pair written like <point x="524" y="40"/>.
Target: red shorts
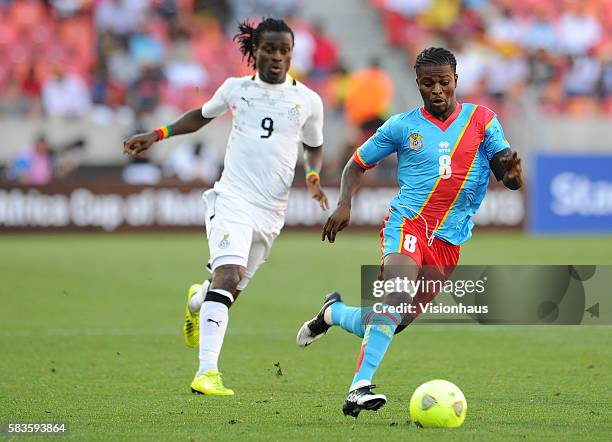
<point x="436" y="261"/>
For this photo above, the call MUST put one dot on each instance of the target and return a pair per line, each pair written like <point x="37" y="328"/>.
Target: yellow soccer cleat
<point x="210" y="383"/>
<point x="191" y="328"/>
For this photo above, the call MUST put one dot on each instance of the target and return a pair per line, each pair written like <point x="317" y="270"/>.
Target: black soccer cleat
<point x="316" y="327"/>
<point x="363" y="399"/>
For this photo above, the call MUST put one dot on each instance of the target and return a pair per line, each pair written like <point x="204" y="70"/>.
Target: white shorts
<point x="239" y="233"/>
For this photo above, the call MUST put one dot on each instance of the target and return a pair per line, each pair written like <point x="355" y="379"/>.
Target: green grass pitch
<point x="90" y="334"/>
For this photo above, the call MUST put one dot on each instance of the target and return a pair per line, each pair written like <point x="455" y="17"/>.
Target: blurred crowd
<point x="40" y="162"/>
<point x="119" y="61"/>
<point x="124" y="58"/>
<point x="557" y="51"/>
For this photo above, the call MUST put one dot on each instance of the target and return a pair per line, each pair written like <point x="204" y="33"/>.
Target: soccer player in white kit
<point x="245" y="211"/>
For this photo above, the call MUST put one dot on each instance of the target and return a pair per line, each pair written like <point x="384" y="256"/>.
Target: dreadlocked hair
<point x="248" y="36"/>
<point x="436" y="57"/>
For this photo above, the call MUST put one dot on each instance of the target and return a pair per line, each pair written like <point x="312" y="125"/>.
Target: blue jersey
<point x="443" y="167"/>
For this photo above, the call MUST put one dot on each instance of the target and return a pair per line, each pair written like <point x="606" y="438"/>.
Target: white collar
<point x="288" y="81"/>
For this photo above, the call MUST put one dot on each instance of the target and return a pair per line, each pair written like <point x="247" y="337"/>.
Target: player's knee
<point x="227" y="277"/>
<point x="399" y="298"/>
<point x="400" y="266"/>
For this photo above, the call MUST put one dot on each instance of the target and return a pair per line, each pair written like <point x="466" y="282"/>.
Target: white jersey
<point x="269" y="122"/>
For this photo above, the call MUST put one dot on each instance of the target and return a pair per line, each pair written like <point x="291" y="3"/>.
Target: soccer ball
<point x="438" y="404"/>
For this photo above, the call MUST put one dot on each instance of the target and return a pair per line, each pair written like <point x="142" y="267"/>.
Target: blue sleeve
<point x="386" y="140"/>
<point x="494" y="140"/>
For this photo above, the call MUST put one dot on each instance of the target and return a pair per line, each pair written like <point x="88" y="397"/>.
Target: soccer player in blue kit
<point x="446" y="151"/>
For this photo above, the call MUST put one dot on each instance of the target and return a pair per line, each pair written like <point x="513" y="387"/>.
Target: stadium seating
<point x="85" y="40"/>
<point x="512" y="36"/>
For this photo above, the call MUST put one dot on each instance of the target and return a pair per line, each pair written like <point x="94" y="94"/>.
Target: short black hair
<point x="249" y="36"/>
<point x="436" y="57"/>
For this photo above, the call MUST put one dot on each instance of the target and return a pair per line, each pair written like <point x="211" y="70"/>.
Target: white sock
<point x="327" y="316"/>
<point x="359" y="384"/>
<point x="213" y="324"/>
<point x="195" y="303"/>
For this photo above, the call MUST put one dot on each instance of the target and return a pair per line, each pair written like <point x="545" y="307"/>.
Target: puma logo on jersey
<point x="246" y="101"/>
<point x="216" y="322"/>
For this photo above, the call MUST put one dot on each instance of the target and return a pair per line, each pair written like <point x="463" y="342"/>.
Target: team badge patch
<point x="294" y="114"/>
<point x="224" y="243"/>
<point x="416" y="141"/>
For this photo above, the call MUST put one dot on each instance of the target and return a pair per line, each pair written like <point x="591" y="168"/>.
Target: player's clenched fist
<point x="514" y="171"/>
<point x="139" y="143"/>
<point x="336" y="222"/>
<point x="512" y="164"/>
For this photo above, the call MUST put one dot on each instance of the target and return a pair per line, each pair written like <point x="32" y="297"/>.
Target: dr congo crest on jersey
<point x="415" y="141"/>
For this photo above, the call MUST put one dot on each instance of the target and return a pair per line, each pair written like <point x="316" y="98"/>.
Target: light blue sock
<point x="349" y="318"/>
<point x="377" y="337"/>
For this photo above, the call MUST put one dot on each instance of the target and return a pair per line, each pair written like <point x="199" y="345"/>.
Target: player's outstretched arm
<point x="351" y="180"/>
<point x="514" y="177"/>
<point x="313" y="161"/>
<point x="189" y="122"/>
